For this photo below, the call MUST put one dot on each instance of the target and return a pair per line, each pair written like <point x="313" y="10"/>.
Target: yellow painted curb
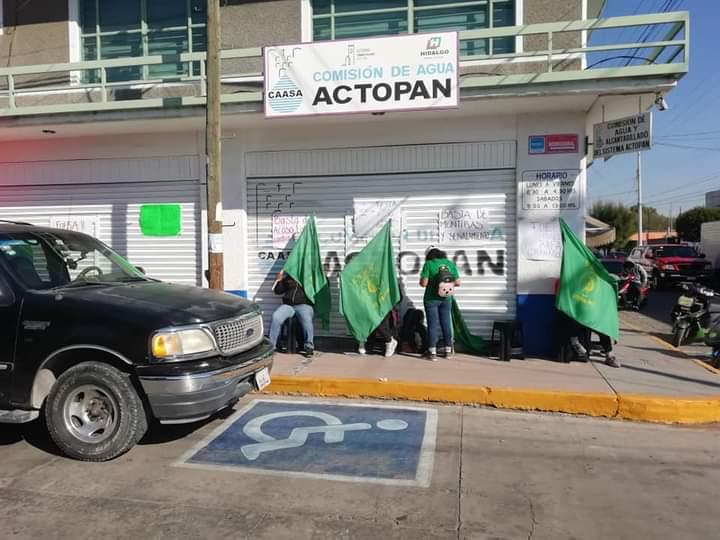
<point x="359" y="388"/>
<point x="590" y="404"/>
<point x="644" y="408"/>
<point x="669" y="410"/>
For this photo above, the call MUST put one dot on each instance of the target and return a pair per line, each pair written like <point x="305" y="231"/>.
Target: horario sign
<point x="366" y="75"/>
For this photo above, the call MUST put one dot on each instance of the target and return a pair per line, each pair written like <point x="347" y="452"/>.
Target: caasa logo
<point x="285" y="96"/>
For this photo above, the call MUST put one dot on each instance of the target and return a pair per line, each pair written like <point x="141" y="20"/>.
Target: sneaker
<point x="309" y="351"/>
<point x="431" y="354"/>
<point x="361" y="349"/>
<point x="449" y="352"/>
<point x="611" y="360"/>
<point x="578" y="348"/>
<point x="390" y="347"/>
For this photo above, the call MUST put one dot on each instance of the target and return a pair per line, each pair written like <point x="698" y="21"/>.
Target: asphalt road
<point x="495" y="475"/>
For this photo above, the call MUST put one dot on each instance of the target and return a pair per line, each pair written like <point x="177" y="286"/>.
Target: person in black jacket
<point x="295" y="303"/>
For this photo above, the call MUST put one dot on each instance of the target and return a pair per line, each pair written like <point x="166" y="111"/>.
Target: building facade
<point x="712" y="199"/>
<point x="101" y="113"/>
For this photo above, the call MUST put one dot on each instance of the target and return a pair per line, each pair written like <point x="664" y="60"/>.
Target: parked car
<point x="668" y="264"/>
<point x="101" y="349"/>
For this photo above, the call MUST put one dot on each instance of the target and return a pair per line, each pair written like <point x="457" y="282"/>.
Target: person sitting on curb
<point x="386" y="332"/>
<point x="572" y="333"/>
<point x="295" y="303"/>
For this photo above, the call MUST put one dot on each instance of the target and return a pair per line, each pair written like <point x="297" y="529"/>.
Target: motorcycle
<point x="692" y="316"/>
<point x="712" y="339"/>
<point x="627" y="282"/>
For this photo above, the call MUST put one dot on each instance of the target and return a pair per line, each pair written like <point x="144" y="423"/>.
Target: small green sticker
<point x="160" y="219"/>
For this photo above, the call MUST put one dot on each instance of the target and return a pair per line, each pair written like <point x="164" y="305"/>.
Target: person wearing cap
<point x="438" y="276"/>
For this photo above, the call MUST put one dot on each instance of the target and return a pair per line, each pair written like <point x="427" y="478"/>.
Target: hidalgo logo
<point x="434" y="43"/>
<point x="285" y="96"/>
<point x="433" y="47"/>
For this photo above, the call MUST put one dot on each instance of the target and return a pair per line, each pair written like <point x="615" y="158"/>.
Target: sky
<point x="673" y="178"/>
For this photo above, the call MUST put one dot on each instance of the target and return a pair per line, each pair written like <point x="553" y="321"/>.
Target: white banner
<point x="395" y="73"/>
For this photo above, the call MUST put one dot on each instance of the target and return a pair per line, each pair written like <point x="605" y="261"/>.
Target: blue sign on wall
<point x="362" y="443"/>
<point x="536" y="144"/>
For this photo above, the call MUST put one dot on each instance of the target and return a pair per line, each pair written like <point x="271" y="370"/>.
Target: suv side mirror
<point x="140" y="269"/>
<point x="702" y="255"/>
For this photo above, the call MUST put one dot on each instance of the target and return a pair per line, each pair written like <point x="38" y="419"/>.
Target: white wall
<point x="538" y="277"/>
<point x="400" y="129"/>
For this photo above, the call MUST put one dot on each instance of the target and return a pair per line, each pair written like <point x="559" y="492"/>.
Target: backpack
<point x="446" y="282"/>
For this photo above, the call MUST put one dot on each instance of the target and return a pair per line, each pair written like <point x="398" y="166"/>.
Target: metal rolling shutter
<point x="117" y="207"/>
<point x="488" y="266"/>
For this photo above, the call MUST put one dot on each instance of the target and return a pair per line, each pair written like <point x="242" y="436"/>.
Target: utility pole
<point x="213" y="151"/>
<point x="640" y="208"/>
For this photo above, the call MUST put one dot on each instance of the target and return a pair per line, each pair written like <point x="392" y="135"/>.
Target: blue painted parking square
<point x="352" y="442"/>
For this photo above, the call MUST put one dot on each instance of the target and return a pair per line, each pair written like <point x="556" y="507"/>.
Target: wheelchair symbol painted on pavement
<point x="333" y="431"/>
<point x="330" y="440"/>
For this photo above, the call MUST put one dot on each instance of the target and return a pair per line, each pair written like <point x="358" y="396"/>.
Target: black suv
<point x="102" y="349"/>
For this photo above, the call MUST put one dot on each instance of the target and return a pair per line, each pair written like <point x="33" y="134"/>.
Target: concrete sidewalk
<point x="657" y="383"/>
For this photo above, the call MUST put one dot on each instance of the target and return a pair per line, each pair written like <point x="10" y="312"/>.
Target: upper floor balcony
<point x="589" y="55"/>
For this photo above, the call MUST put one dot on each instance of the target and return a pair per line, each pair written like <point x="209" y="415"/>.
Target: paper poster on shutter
<point x="371" y="214"/>
<point x="542" y="241"/>
<point x="467" y="225"/>
<point x="286" y="229"/>
<point x="88" y="224"/>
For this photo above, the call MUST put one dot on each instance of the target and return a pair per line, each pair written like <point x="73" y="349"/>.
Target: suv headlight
<point x="182" y="343"/>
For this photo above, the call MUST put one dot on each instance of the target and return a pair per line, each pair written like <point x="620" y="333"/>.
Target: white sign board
<point x="88" y="224"/>
<point x="551" y="189"/>
<point x="370" y="214"/>
<point x="286" y="229"/>
<point x="397" y="73"/>
<point x="466" y="225"/>
<point x="542" y="241"/>
<point x="630" y="134"/>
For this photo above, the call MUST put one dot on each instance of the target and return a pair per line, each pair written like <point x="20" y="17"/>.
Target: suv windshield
<point x="675" y="251"/>
<point x="47" y="260"/>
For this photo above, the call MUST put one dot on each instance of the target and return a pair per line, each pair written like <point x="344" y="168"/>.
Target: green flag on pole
<point x="470" y="342"/>
<point x="588" y="293"/>
<point x="369" y="286"/>
<point x="304" y="265"/>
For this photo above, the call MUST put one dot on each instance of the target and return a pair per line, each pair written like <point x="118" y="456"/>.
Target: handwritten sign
<point x="88" y="224"/>
<point x="461" y="225"/>
<point x="286" y="229"/>
<point x="556" y="189"/>
<point x="542" y="241"/>
<point x="371" y="214"/>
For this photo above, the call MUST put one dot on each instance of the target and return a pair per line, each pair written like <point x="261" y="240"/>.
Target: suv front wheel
<point x="93" y="412"/>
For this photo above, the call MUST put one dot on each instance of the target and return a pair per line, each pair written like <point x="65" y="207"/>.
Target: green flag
<point x="470" y="342"/>
<point x="304" y="265"/>
<point x="369" y="287"/>
<point x="587" y="293"/>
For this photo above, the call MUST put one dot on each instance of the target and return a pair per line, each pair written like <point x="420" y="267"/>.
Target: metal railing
<point x="549" y="53"/>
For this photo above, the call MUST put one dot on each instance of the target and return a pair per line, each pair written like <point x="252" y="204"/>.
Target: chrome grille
<point x="239" y="334"/>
